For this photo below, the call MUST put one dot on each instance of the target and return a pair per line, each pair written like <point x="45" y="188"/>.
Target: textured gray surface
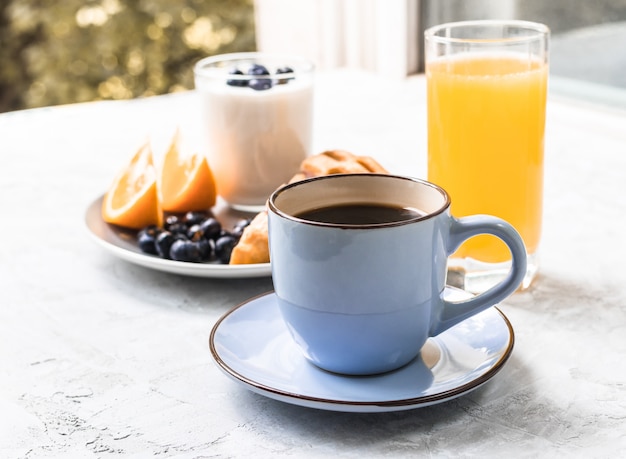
<point x="101" y="357"/>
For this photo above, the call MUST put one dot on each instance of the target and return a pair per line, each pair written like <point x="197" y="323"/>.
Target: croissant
<point x="252" y="246"/>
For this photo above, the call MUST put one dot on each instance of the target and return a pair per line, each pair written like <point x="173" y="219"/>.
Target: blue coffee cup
<point x="361" y="295"/>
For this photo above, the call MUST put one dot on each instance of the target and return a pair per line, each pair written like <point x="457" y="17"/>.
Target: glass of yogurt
<point x="257" y="121"/>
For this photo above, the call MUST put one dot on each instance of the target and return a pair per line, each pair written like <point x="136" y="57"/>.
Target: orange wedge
<point x="186" y="182"/>
<point x="132" y="200"/>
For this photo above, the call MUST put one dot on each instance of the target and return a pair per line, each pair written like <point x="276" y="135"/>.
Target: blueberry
<point x="195" y="217"/>
<point x="146" y="239"/>
<point x="239" y="227"/>
<point x="258" y="69"/>
<point x="171" y="220"/>
<point x="283" y="70"/>
<point x="178" y="228"/>
<point x="211" y="228"/>
<point x="224" y="247"/>
<point x="164" y="243"/>
<point x="185" y="250"/>
<point x="236" y="81"/>
<point x="206" y="249"/>
<point x="195" y="233"/>
<point x="260" y="84"/>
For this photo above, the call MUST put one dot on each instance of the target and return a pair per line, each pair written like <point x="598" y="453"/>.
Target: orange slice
<point x="132" y="200"/>
<point x="186" y="182"/>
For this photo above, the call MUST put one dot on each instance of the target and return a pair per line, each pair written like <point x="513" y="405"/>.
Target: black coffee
<point x="360" y="214"/>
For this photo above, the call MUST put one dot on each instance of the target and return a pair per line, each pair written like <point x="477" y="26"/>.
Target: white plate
<point x="252" y="346"/>
<point x="122" y="244"/>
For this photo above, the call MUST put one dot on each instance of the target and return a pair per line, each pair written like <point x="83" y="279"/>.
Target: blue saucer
<point x="253" y="347"/>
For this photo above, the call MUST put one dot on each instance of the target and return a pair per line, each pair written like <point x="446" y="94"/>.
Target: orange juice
<point x="486" y="117"/>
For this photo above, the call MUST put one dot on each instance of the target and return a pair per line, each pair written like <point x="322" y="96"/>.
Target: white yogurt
<point x="255" y="140"/>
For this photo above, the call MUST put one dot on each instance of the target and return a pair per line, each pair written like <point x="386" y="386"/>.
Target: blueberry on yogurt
<point x="259" y="84"/>
<point x="260" y="72"/>
<point x="236" y="81"/>
<point x="282" y="71"/>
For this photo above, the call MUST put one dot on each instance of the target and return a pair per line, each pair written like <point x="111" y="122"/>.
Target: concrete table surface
<point x="101" y="357"/>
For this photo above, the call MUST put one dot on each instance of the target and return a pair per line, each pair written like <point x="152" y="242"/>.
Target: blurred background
<point x="59" y="52"/>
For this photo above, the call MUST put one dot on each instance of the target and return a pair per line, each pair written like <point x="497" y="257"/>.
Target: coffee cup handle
<point x="452" y="313"/>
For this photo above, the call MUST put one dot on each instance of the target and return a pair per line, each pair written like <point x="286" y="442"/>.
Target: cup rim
<point x="205" y="66"/>
<point x="541" y="30"/>
<point x="273" y="207"/>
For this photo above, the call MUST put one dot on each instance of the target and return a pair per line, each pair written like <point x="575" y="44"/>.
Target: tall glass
<point x="258" y="120"/>
<point x="487" y="85"/>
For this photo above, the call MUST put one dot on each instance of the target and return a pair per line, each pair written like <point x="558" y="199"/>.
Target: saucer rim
<point x="355" y="405"/>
